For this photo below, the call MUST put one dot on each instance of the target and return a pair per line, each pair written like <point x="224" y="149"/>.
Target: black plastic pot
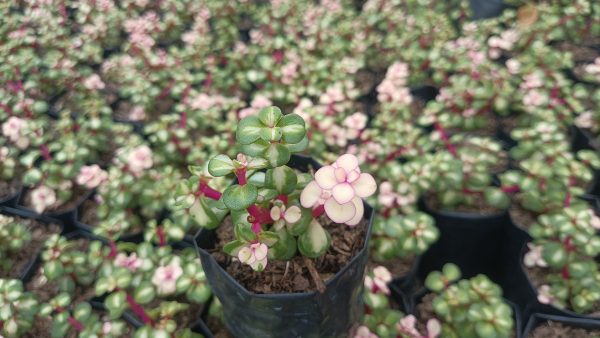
<point x="471" y="241"/>
<point x="483" y="9"/>
<point x="30" y="266"/>
<point x="538" y="318"/>
<point x="583" y="140"/>
<point x="424" y="93"/>
<point x="308" y="314"/>
<point x="546" y="308"/>
<point x="11" y="200"/>
<point x="416" y="297"/>
<point x="404" y="283"/>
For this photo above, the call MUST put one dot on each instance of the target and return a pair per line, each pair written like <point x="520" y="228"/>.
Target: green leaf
<point x="248" y="129"/>
<point x="315" y="241"/>
<point x="298" y="147"/>
<point x="434" y="281"/>
<point x="285" y="248"/>
<point x="268" y="237"/>
<point x="53" y="270"/>
<point x="301" y="226"/>
<point x="239" y="197"/>
<point x="277" y="154"/>
<point x="555" y="254"/>
<point x="270" y="116"/>
<point x="115" y="303"/>
<point x="282" y="178"/>
<point x="232" y="248"/>
<point x="220" y="165"/>
<point x="293" y="127"/>
<point x="496" y="197"/>
<point x="243" y="231"/>
<point x="144" y="293"/>
<point x="257" y="148"/>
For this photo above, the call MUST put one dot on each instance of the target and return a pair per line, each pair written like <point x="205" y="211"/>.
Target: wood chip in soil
<point x="293" y="276"/>
<point x="40" y="232"/>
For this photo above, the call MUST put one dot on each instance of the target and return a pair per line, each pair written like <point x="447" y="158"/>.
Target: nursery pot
<point x="547" y="308"/>
<point x="12" y="199"/>
<point x="538" y="318"/>
<point x="483" y="9"/>
<point x="307" y="314"/>
<point x="474" y="242"/>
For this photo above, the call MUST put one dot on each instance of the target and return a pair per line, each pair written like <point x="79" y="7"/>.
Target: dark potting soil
<point x="537" y="276"/>
<point x="89" y="214"/>
<point x="293" y="276"/>
<point x="78" y="193"/>
<point x="8" y="189"/>
<point x="508" y="123"/>
<point x="580" y="53"/>
<point x="479" y="206"/>
<point x="217" y="328"/>
<point x="367" y="81"/>
<point x="46" y="290"/>
<point x="399" y="267"/>
<point x="40" y="232"/>
<point x="522" y="217"/>
<point x="550" y="329"/>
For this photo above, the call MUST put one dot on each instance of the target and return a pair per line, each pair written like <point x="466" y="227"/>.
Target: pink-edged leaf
<point x="365" y="185"/>
<point x="260" y="251"/>
<point x="343" y="193"/>
<point x="339" y="213"/>
<point x="325" y="177"/>
<point x="310" y="195"/>
<point x="292" y="215"/>
<point x="360" y="210"/>
<point x="347" y="161"/>
<point x="245" y="255"/>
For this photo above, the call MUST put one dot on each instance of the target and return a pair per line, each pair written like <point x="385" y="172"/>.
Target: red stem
<point x="567" y="202"/>
<point x="511" y="189"/>
<point x="75" y="324"/>
<point x="318" y="211"/>
<point x="183" y="120"/>
<point x="282" y="198"/>
<point x="241" y="176"/>
<point x="445" y="138"/>
<point x="45" y="152"/>
<point x="113" y="250"/>
<point x="209" y="192"/>
<point x="161" y="236"/>
<point x="262" y="216"/>
<point x="138" y="310"/>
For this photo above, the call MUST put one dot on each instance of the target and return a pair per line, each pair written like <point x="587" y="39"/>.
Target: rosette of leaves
<point x="263" y="205"/>
<point x="13" y="237"/>
<point x="129" y="201"/>
<point x="18" y="308"/>
<point x="9" y="162"/>
<point x="569" y="243"/>
<point x="463" y="174"/>
<point x="469" y="101"/>
<point x="154" y="283"/>
<point x="402" y="236"/>
<point x="72" y="263"/>
<point x="469" y="307"/>
<point x="80" y="319"/>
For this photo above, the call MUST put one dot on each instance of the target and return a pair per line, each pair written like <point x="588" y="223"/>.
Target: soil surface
<point x="217" y="328"/>
<point x="479" y="206"/>
<point x="580" y="53"/>
<point x="89" y="214"/>
<point x="522" y="217"/>
<point x="78" y="193"/>
<point x="8" y="189"/>
<point x="293" y="276"/>
<point x="398" y="267"/>
<point x="538" y="275"/>
<point x="40" y="232"/>
<point x="550" y="329"/>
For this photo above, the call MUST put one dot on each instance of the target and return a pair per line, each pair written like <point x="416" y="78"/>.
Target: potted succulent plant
<point x="383" y="317"/>
<point x="19" y="308"/>
<point x="21" y="241"/>
<point x="544" y="325"/>
<point x="465" y="308"/>
<point x="560" y="261"/>
<point x="159" y="290"/>
<point x="272" y="216"/>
